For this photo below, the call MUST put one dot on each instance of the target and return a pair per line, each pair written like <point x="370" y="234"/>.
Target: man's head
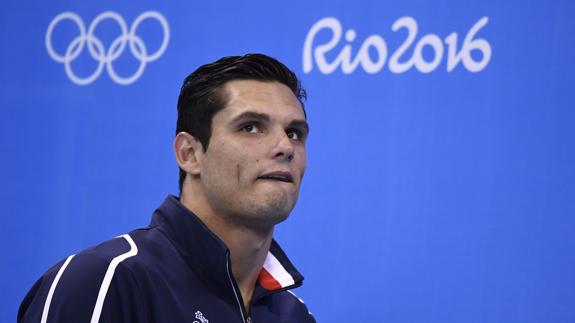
<point x="240" y="140"/>
<point x="201" y="95"/>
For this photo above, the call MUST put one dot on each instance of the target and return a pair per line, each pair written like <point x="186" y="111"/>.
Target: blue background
<point x="429" y="197"/>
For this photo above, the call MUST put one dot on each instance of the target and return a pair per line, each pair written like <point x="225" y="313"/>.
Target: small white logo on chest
<point x="201" y="317"/>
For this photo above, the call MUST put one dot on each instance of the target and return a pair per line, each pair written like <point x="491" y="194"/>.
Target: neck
<point x="248" y="253"/>
<point x="248" y="247"/>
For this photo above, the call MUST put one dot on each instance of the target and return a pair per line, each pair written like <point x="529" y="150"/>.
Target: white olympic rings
<point x="96" y="47"/>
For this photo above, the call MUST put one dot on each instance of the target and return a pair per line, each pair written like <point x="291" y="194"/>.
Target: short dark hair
<point x="201" y="94"/>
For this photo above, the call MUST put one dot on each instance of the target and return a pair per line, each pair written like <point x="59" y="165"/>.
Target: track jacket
<point x="176" y="270"/>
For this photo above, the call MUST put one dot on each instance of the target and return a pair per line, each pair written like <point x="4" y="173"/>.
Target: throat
<point x="247" y="260"/>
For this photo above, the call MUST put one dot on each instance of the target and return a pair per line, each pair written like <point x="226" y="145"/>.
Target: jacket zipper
<point x="240" y="305"/>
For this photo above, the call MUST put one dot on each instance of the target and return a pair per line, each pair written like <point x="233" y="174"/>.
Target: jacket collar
<point x="208" y="255"/>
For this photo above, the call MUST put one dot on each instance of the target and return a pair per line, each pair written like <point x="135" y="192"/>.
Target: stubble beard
<point x="259" y="213"/>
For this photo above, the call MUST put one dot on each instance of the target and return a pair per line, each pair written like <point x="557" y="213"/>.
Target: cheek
<point x="237" y="168"/>
<point x="233" y="164"/>
<point x="246" y="170"/>
<point x="302" y="161"/>
<point x="219" y="166"/>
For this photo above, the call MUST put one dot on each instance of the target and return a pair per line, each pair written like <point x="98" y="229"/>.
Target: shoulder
<point x="76" y="288"/>
<point x="304" y="312"/>
<point x="289" y="305"/>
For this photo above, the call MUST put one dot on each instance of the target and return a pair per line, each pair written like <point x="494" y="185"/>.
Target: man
<point x="208" y="256"/>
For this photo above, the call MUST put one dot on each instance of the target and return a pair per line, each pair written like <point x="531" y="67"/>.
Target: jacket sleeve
<point x="75" y="291"/>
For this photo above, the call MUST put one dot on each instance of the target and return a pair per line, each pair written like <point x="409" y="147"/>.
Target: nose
<point x="283" y="148"/>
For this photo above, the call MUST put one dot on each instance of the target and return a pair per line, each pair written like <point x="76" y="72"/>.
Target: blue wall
<point x="441" y="173"/>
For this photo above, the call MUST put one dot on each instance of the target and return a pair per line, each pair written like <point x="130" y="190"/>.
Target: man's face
<point x="256" y="158"/>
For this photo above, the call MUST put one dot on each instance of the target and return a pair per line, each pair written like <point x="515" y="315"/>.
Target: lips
<point x="278" y="176"/>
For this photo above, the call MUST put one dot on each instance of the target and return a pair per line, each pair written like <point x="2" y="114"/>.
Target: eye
<point x="294" y="134"/>
<point x="250" y="128"/>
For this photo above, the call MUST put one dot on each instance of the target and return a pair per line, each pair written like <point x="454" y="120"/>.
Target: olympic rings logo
<point x="96" y="47"/>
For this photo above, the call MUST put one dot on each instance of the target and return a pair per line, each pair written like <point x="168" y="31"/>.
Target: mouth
<point x="278" y="176"/>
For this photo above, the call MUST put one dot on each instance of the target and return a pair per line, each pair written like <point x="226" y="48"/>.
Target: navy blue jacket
<point x="176" y="270"/>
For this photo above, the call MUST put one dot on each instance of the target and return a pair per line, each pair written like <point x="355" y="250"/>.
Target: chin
<point x="278" y="210"/>
<point x="271" y="211"/>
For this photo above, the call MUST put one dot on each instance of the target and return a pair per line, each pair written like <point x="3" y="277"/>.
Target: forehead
<point x="271" y="98"/>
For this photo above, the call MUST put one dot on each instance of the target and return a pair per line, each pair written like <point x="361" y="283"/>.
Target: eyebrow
<point x="251" y="115"/>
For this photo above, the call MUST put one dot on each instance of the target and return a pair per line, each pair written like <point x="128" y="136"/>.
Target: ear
<point x="189" y="152"/>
